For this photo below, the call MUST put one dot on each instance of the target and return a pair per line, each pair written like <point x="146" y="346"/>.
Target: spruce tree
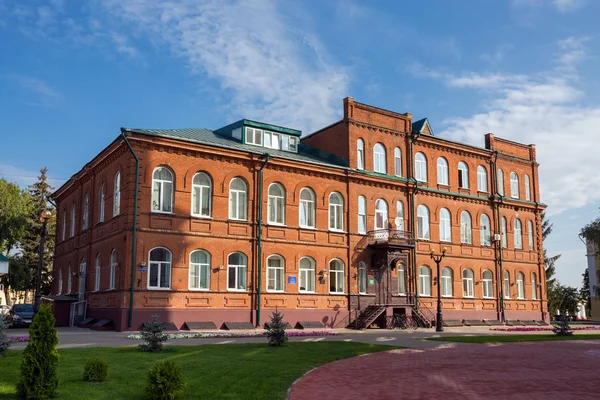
<point x="276" y="330"/>
<point x="562" y="328"/>
<point x="549" y="261"/>
<point x="153" y="336"/>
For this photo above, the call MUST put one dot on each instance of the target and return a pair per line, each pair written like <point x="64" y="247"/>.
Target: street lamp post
<point x="439" y="327"/>
<point x="44" y="217"/>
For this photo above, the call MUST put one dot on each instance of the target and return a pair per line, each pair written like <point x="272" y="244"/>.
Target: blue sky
<point x="72" y="73"/>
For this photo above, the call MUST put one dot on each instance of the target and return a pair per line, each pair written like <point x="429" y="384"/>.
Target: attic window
<point x="254" y="136"/>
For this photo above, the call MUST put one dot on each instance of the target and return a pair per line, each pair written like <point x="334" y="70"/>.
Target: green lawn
<point x="512" y="338"/>
<point x="231" y="371"/>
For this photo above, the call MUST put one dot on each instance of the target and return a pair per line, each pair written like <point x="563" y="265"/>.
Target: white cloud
<point x="562" y="6"/>
<point x="37" y="91"/>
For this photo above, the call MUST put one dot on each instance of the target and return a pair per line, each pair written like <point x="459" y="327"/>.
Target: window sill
<point x="468" y="297"/>
<point x="237" y="220"/>
<point x="337" y="294"/>
<point x="198" y="216"/>
<point x="443" y="186"/>
<point x="306" y="292"/>
<point x="276" y="224"/>
<point x="155" y="288"/>
<point x="162" y="212"/>
<point x="198" y="289"/>
<point x="336" y="230"/>
<point x="238" y="290"/>
<point x="488" y="298"/>
<point x="275" y="291"/>
<point x="424" y="295"/>
<point x="312" y="228"/>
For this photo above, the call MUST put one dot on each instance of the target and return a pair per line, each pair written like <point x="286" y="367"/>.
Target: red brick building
<point x="325" y="225"/>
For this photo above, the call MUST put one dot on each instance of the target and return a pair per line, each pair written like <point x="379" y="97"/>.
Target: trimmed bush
<point x="165" y="381"/>
<point x="39" y="363"/>
<point x="95" y="370"/>
<point x="5" y="341"/>
<point x="276" y="330"/>
<point x="153" y="336"/>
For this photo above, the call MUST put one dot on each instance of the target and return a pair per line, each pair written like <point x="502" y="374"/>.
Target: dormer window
<point x="254" y="136"/>
<point x="271" y="140"/>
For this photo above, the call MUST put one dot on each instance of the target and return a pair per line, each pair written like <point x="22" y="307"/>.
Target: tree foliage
<point x="565" y="299"/>
<point x="153" y="336"/>
<point x="165" y="381"/>
<point x="276" y="330"/>
<point x="13" y="212"/>
<point x="5" y="342"/>
<point x="549" y="261"/>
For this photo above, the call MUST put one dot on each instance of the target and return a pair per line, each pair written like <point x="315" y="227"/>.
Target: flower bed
<point x="18" y="339"/>
<point x="545" y="329"/>
<point x="219" y="335"/>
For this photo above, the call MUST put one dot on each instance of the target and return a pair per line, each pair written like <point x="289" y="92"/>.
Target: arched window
<point x="467" y="280"/>
<point x="488" y="284"/>
<point x="275" y="273"/>
<point x="237" y="267"/>
<point x="420" y="167"/>
<point x="442" y="171"/>
<point x="527" y="189"/>
<point x="159" y="274"/>
<point x="466" y="228"/>
<point x="69" y="277"/>
<point x="101" y="212"/>
<point x="500" y="182"/>
<point x="276" y="204"/>
<point x="379" y="164"/>
<point x="520" y="285"/>
<point x="424" y="281"/>
<point x="362" y="214"/>
<point x="518" y="234"/>
<point x="514" y="185"/>
<point x="482" y="185"/>
<point x="397" y="162"/>
<point x="399" y="221"/>
<point x="307" y="275"/>
<point x="117" y="194"/>
<point x="401" y="279"/>
<point x="534" y="286"/>
<point x="60" y="281"/>
<point x="504" y="237"/>
<point x="506" y="285"/>
<point x="360" y="154"/>
<point x="86" y="212"/>
<point x="484" y="230"/>
<point x="381" y="214"/>
<point x="307" y="208"/>
<point x="97" y="273"/>
<point x="72" y="221"/>
<point x="445" y="226"/>
<point x="362" y="278"/>
<point x="423" y="222"/>
<point x="199" y="278"/>
<point x="336" y="212"/>
<point x="64" y="223"/>
<point x="336" y="276"/>
<point x="201" y="195"/>
<point x="463" y="175"/>
<point x="162" y="190"/>
<point x="238" y="199"/>
<point x="530" y="235"/>
<point x="82" y="275"/>
<point x="447" y="282"/>
<point x="113" y="269"/>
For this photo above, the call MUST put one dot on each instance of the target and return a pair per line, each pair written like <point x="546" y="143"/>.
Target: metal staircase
<point x="367" y="317"/>
<point x="423" y="315"/>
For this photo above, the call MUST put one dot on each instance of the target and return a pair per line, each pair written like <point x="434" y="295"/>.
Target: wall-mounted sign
<point x="371" y="281"/>
<point x="143" y="269"/>
<point x="292" y="279"/>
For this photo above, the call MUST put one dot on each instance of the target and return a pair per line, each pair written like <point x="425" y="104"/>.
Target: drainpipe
<point x="500" y="278"/>
<point x="412" y="213"/>
<point x="133" y="240"/>
<point x="259" y="238"/>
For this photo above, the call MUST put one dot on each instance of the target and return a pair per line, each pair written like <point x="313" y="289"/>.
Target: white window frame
<point x="400" y="215"/>
<point x="482" y="183"/>
<point x="275" y="274"/>
<point x="518" y="234"/>
<point x="64" y="224"/>
<point x="254" y="133"/>
<point x="101" y="212"/>
<point x="445" y="225"/>
<point x="339" y="274"/>
<point x="239" y="270"/>
<point x="72" y="230"/>
<point x="487" y="284"/>
<point x="530" y="235"/>
<point x="468" y="283"/>
<point x="236" y="197"/>
<point x="423" y="227"/>
<point x="307" y="210"/>
<point x="379" y="159"/>
<point x="506" y="285"/>
<point x="160" y="265"/>
<point x="163" y="185"/>
<point x="200" y="192"/>
<point x="381" y="214"/>
<point x="307" y="275"/>
<point x="527" y="188"/>
<point x="503" y="232"/>
<point x="360" y="154"/>
<point x="276" y="204"/>
<point x="86" y="212"/>
<point x="485" y="227"/>
<point x="514" y="185"/>
<point x="463" y="175"/>
<point x="447" y="282"/>
<point x="424" y="281"/>
<point x="69" y="280"/>
<point x="500" y="182"/>
<point x="113" y="269"/>
<point x="397" y="161"/>
<point x="466" y="228"/>
<point x="534" y="286"/>
<point x="60" y="281"/>
<point x="520" y="286"/>
<point x="362" y="277"/>
<point x="98" y="271"/>
<point x="442" y="171"/>
<point x="362" y="215"/>
<point x="195" y="280"/>
<point x="420" y="167"/>
<point x="401" y="279"/>
<point x="117" y="194"/>
<point x="337" y="211"/>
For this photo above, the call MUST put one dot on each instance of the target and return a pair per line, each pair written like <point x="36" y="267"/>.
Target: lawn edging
<point x="511" y="338"/>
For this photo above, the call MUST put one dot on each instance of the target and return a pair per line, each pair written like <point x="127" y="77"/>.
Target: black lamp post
<point x="439" y="327"/>
<point x="44" y="217"/>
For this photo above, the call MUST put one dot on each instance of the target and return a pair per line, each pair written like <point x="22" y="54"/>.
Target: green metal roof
<point x="3" y="258"/>
<point x="418" y="126"/>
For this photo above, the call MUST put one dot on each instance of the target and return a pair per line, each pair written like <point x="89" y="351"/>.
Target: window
<point x="82" y="274"/>
<point x="201" y="195"/>
<point x="236" y="271"/>
<point x="488" y="284"/>
<point x="199" y="278"/>
<point x="482" y="179"/>
<point x="113" y="268"/>
<point x="520" y="285"/>
<point x="533" y="286"/>
<point x="506" y="285"/>
<point x="362" y="278"/>
<point x="307" y="208"/>
<point x="285" y="142"/>
<point x="381" y="214"/>
<point x="60" y="281"/>
<point x="423" y="222"/>
<point x="397" y="162"/>
<point x="162" y="190"/>
<point x="484" y="230"/>
<point x="101" y="213"/>
<point x="379" y="164"/>
<point x="424" y="281"/>
<point x="401" y="279"/>
<point x="276" y="204"/>
<point x="69" y="276"/>
<point x="360" y="153"/>
<point x="275" y="273"/>
<point x="362" y="214"/>
<point x="399" y="215"/>
<point x="447" y="282"/>
<point x="64" y="224"/>
<point x="530" y="235"/>
<point x="527" y="189"/>
<point x="420" y="167"/>
<point x="442" y="171"/>
<point x="237" y="199"/>
<point x="272" y="140"/>
<point x="445" y="226"/>
<point x="254" y="136"/>
<point x="504" y="237"/>
<point x="467" y="280"/>
<point x="159" y="275"/>
<point x="97" y="275"/>
<point x="86" y="212"/>
<point x="463" y="175"/>
<point x="72" y="233"/>
<point x="518" y="235"/>
<point x="514" y="185"/>
<point x="500" y="182"/>
<point x="293" y="144"/>
<point x="307" y="275"/>
<point x="465" y="228"/>
<point x="117" y="195"/>
<point x="336" y="276"/>
<point x="336" y="211"/>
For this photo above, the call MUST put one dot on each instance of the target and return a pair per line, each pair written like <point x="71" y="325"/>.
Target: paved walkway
<point x="534" y="370"/>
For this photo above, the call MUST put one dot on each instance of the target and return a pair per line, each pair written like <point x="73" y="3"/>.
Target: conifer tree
<point x="276" y="330"/>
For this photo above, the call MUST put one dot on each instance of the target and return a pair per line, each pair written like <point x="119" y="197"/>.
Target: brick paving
<point x="520" y="371"/>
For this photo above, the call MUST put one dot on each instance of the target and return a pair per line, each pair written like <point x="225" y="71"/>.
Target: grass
<point x="512" y="338"/>
<point x="231" y="371"/>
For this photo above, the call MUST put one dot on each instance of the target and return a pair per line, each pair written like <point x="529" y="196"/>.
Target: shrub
<point x="276" y="330"/>
<point x="165" y="381"/>
<point x="562" y="328"/>
<point x="152" y="335"/>
<point x="5" y="341"/>
<point x="39" y="363"/>
<point x="95" y="370"/>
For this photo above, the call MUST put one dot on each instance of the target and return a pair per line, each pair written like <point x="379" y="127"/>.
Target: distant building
<point x="325" y="225"/>
<point x="593" y="258"/>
